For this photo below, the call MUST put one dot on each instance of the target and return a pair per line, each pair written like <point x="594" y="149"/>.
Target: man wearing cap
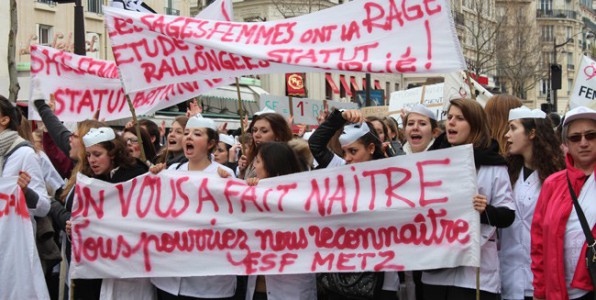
<point x="558" y="242"/>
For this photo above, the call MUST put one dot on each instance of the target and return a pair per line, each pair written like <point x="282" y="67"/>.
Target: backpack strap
<point x="14" y="149"/>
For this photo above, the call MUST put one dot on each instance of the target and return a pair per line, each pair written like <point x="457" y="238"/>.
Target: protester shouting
<point x="467" y="124"/>
<point x="199" y="141"/>
<point x="420" y="127"/>
<point x="171" y="152"/>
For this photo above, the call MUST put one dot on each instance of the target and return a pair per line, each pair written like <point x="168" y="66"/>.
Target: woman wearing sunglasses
<point x="558" y="241"/>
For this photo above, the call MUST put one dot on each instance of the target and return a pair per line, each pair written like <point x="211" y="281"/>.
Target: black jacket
<point x="320" y="138"/>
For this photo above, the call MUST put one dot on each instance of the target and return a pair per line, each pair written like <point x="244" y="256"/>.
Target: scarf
<point x="482" y="156"/>
<point x="408" y="148"/>
<point x="8" y="139"/>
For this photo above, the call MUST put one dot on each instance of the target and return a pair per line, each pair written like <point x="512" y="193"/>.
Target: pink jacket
<point x="548" y="232"/>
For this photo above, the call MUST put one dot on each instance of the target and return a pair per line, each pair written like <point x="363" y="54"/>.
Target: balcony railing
<point x="570" y="67"/>
<point x="172" y="11"/>
<point x="48" y="2"/>
<point x="556" y="13"/>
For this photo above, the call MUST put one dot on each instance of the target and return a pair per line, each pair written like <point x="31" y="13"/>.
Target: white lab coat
<point x="516" y="274"/>
<point x="493" y="182"/>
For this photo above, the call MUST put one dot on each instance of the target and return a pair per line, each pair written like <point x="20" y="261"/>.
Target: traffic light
<point x="555" y="76"/>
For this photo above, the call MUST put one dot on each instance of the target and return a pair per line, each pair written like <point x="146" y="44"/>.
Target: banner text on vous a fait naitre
<point x="402" y="213"/>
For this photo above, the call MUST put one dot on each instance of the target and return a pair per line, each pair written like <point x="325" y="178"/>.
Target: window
<point x="546" y="5"/>
<point x="44" y="34"/>
<point x="569" y="86"/>
<point x="543" y="87"/>
<point x="569" y="32"/>
<point x="396" y="87"/>
<point x="547" y="33"/>
<point x="49" y="2"/>
<point x="94" y="6"/>
<point x="547" y="59"/>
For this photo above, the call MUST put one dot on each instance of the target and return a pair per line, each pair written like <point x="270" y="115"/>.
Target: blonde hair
<point x="82" y="129"/>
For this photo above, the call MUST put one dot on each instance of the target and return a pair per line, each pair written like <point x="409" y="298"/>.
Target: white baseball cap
<point x="580" y="112"/>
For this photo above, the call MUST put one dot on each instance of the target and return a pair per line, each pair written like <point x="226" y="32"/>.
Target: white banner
<point x="433" y="99"/>
<point x="374" y="216"/>
<point x="305" y="110"/>
<point x="21" y="276"/>
<point x="380" y="36"/>
<point x="81" y="84"/>
<point x="584" y="90"/>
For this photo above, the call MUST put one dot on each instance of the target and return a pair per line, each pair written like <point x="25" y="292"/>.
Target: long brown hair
<point x="497" y="112"/>
<point x="476" y="117"/>
<point x="82" y="129"/>
<point x="547" y="156"/>
<point x="279" y="126"/>
<point x="147" y="144"/>
<point x="117" y="149"/>
<point x="161" y="156"/>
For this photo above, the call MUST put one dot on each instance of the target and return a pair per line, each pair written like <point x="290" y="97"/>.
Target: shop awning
<point x="378" y="85"/>
<point x="346" y="86"/>
<point x="354" y="84"/>
<point x="332" y="84"/>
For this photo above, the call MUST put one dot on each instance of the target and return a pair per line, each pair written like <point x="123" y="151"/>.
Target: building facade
<point x="564" y="38"/>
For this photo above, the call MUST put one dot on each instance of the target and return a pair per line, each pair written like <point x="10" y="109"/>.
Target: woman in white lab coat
<point x="533" y="154"/>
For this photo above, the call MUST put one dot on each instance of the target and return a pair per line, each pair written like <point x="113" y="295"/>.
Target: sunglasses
<point x="132" y="140"/>
<point x="576" y="138"/>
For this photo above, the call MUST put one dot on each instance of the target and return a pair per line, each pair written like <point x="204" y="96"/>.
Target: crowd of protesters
<point x="528" y="172"/>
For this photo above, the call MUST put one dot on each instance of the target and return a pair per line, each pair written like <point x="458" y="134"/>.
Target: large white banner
<point x="21" y="276"/>
<point x="376" y="36"/>
<point x="584" y="90"/>
<point x="374" y="216"/>
<point x="82" y="85"/>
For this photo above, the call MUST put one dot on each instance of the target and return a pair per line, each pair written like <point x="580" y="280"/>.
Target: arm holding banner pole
<point x="470" y="85"/>
<point x="138" y="128"/>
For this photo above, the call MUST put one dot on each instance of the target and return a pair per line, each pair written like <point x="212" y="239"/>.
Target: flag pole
<point x="137" y="128"/>
<point x="240" y="114"/>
